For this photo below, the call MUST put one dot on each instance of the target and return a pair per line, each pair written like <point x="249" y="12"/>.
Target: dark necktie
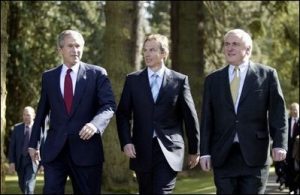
<point x="26" y="140"/>
<point x="294" y="128"/>
<point x="68" y="91"/>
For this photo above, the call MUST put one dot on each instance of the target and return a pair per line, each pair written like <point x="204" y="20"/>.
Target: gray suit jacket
<point x="261" y="114"/>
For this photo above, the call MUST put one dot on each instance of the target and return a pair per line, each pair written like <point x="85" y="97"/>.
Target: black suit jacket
<point x="291" y="140"/>
<point x="93" y="96"/>
<point x="16" y="145"/>
<point x="261" y="114"/>
<point x="174" y="105"/>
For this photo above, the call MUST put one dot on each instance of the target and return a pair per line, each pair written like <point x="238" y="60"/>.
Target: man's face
<point x="153" y="56"/>
<point x="294" y="111"/>
<point x="28" y="116"/>
<point x="72" y="50"/>
<point x="235" y="50"/>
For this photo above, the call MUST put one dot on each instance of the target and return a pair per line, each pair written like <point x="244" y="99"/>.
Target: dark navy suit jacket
<point x="174" y="105"/>
<point x="16" y="145"/>
<point x="93" y="96"/>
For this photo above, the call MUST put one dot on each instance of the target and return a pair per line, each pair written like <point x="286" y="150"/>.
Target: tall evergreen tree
<point x="4" y="43"/>
<point x="120" y="43"/>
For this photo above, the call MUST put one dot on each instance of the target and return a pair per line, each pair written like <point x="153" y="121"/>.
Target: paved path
<point x="272" y="186"/>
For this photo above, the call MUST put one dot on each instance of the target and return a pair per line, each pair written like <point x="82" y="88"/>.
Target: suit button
<point x="236" y="121"/>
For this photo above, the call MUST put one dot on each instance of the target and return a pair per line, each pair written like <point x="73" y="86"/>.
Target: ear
<point x="248" y="50"/>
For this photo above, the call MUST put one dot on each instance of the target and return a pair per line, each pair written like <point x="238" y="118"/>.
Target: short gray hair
<point x="246" y="38"/>
<point x="63" y="34"/>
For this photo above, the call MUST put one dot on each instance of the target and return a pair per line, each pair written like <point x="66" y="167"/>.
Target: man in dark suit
<point x="19" y="159"/>
<point x="81" y="102"/>
<point x="158" y="100"/>
<point x="242" y="107"/>
<point x="292" y="170"/>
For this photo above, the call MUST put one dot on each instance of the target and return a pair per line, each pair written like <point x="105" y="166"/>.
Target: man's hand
<point x="193" y="160"/>
<point x="205" y="163"/>
<point x="278" y="154"/>
<point x="35" y="155"/>
<point x="11" y="168"/>
<point x="87" y="131"/>
<point x="129" y="150"/>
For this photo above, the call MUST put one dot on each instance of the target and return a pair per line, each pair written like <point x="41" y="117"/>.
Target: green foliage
<point x="159" y="18"/>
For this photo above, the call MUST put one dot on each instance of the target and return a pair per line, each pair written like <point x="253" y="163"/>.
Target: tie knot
<point x="69" y="71"/>
<point x="155" y="76"/>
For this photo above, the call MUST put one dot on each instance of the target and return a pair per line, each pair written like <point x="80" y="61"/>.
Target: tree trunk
<point x="120" y="58"/>
<point x="4" y="43"/>
<point x="187" y="36"/>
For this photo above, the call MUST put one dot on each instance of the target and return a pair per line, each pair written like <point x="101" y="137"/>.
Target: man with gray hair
<point x="243" y="106"/>
<point x="19" y="159"/>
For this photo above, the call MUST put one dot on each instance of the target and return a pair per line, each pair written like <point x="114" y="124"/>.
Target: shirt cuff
<point x="205" y="156"/>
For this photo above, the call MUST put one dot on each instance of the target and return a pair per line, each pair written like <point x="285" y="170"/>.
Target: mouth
<point x="230" y="54"/>
<point x="147" y="60"/>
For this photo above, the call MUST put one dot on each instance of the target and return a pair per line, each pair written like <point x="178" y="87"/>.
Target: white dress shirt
<point x="73" y="75"/>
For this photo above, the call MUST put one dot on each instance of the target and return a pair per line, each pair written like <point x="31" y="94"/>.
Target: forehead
<point x="28" y="111"/>
<point x="232" y="37"/>
<point x="73" y="38"/>
<point x="151" y="43"/>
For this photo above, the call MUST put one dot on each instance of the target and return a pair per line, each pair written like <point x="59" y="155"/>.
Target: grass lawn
<point x="188" y="182"/>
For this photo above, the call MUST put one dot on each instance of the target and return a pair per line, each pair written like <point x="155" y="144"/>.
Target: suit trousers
<point x="26" y="175"/>
<point x="236" y="177"/>
<point x="85" y="179"/>
<point x="162" y="178"/>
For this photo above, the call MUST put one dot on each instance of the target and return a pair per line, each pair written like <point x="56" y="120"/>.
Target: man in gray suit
<point x="243" y="106"/>
<point x="19" y="159"/>
<point x="157" y="101"/>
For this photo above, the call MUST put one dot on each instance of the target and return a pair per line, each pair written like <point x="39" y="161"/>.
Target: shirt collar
<point x="74" y="68"/>
<point x="160" y="72"/>
<point x="243" y="67"/>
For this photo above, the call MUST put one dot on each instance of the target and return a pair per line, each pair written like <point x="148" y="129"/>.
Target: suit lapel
<point x="226" y="86"/>
<point x="22" y="133"/>
<point x="167" y="78"/>
<point x="251" y="77"/>
<point x="145" y="83"/>
<point x="56" y="81"/>
<point x="80" y="87"/>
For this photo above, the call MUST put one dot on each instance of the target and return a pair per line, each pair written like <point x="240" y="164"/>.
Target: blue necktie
<point x="154" y="86"/>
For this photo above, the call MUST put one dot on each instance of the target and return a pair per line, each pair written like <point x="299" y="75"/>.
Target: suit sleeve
<point x="124" y="116"/>
<point x="12" y="147"/>
<point x="106" y="102"/>
<point x="206" y="120"/>
<point x="190" y="119"/>
<point x="277" y="113"/>
<point x="42" y="112"/>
